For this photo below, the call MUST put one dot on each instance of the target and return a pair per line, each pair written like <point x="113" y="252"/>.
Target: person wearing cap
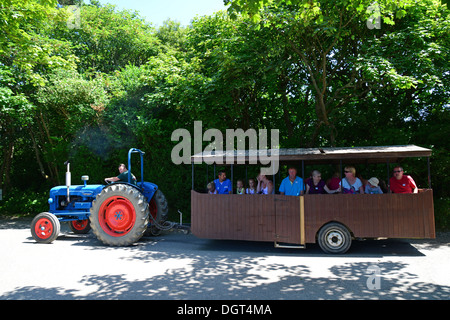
<point x="372" y="186"/>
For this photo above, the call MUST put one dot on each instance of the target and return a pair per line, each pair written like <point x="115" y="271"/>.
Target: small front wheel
<point x="45" y="227"/>
<point x="334" y="238"/>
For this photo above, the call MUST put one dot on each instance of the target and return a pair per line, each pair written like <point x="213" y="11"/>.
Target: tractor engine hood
<point x="81" y="190"/>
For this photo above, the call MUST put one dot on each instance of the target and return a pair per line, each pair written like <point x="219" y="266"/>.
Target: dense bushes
<point x="323" y="79"/>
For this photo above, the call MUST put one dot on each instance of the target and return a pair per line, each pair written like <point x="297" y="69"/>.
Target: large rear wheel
<point x="119" y="215"/>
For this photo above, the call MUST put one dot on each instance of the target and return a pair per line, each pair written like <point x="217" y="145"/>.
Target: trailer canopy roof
<point x="323" y="155"/>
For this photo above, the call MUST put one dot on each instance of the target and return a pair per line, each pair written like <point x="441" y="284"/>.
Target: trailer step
<point x="289" y="246"/>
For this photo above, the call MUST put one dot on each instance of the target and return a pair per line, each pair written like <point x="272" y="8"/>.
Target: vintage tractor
<point x="119" y="213"/>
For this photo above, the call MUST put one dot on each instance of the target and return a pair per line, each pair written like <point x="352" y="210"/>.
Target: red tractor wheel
<point x="45" y="227"/>
<point x="119" y="215"/>
<point x="80" y="226"/>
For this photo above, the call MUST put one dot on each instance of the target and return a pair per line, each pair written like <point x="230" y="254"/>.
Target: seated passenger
<point x="292" y="185"/>
<point x="251" y="187"/>
<point x="333" y="182"/>
<point x="316" y="185"/>
<point x="211" y="188"/>
<point x="372" y="186"/>
<point x="265" y="186"/>
<point x="351" y="184"/>
<point x="402" y="183"/>
<point x="223" y="185"/>
<point x="240" y="187"/>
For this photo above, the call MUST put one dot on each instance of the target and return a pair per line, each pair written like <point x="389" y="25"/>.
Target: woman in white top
<point x="351" y="184"/>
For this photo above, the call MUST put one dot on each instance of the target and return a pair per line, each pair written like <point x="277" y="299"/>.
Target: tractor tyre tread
<point x="141" y="210"/>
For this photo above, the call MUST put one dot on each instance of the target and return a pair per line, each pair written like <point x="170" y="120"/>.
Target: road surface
<point x="175" y="266"/>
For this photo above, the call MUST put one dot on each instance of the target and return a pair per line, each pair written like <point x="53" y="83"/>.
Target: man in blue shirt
<point x="223" y="185"/>
<point x="292" y="185"/>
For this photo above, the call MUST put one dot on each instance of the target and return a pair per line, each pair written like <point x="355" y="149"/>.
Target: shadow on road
<point x="212" y="269"/>
<point x="210" y="277"/>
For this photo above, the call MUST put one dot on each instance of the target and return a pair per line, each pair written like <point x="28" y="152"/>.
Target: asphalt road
<point x="175" y="266"/>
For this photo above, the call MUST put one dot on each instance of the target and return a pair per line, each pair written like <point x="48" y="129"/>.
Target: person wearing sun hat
<point x="372" y="186"/>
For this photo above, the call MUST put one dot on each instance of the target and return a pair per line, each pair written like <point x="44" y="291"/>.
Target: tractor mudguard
<point x="148" y="189"/>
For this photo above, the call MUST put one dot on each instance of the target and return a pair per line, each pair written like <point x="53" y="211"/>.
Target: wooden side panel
<point x="279" y="218"/>
<point x="372" y="216"/>
<point x="234" y="217"/>
<point x="246" y="217"/>
<point x="288" y="219"/>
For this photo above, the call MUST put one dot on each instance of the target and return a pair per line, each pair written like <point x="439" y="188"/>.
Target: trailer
<point x="331" y="220"/>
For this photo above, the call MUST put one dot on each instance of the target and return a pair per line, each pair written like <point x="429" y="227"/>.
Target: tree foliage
<point x="325" y="73"/>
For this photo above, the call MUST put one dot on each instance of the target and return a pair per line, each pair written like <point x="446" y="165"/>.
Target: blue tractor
<point x="119" y="213"/>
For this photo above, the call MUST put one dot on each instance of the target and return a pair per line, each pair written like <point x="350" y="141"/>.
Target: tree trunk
<point x="36" y="151"/>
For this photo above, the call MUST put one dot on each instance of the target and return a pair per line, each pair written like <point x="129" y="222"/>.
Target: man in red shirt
<point x="401" y="183"/>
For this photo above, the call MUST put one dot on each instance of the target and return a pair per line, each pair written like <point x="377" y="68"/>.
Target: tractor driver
<point x="123" y="176"/>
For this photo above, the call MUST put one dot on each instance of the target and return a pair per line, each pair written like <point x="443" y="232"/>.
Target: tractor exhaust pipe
<point x="68" y="180"/>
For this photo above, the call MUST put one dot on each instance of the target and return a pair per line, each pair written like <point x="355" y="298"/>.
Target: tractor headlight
<point x="50" y="200"/>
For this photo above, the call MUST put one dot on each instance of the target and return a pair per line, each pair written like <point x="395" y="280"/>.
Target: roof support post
<point x="232" y="179"/>
<point x="303" y="170"/>
<point x="388" y="177"/>
<point x="273" y="174"/>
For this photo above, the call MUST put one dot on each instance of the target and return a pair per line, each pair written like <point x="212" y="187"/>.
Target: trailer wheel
<point x="119" y="215"/>
<point x="334" y="238"/>
<point x="45" y="227"/>
<point x="80" y="226"/>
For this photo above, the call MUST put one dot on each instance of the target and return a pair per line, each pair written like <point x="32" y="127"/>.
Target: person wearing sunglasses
<point x="350" y="183"/>
<point x="402" y="183"/>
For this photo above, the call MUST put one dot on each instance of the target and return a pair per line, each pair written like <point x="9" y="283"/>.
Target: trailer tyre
<point x="45" y="227"/>
<point x="119" y="215"/>
<point x="334" y="238"/>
